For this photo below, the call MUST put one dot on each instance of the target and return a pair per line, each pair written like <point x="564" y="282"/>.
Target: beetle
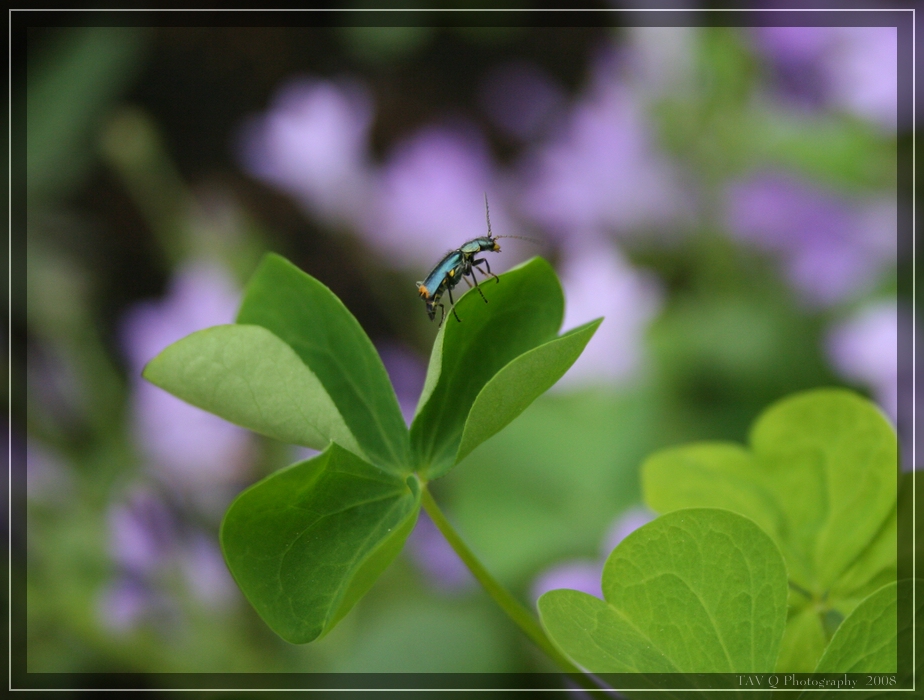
<point x="441" y="280"/>
<point x="457" y="265"/>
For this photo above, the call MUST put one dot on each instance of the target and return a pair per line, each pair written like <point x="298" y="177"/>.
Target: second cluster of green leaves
<point x="779" y="556"/>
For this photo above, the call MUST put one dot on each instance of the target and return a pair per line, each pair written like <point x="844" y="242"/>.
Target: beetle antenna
<point x="487" y="216"/>
<point x="522" y="238"/>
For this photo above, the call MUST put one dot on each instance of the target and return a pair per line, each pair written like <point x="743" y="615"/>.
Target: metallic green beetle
<point x="456" y="265"/>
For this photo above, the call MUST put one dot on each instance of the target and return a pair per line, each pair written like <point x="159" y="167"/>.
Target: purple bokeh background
<point x="184" y="446"/>
<point x="854" y="69"/>
<point x="589" y="179"/>
<point x="831" y="247"/>
<point x="585" y="574"/>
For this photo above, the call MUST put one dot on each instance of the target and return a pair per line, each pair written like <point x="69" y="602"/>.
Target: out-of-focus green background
<point x="726" y="197"/>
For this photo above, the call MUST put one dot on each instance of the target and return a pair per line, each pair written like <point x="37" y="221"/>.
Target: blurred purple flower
<point x="431" y="197"/>
<point x="864" y="349"/>
<point x="313" y="143"/>
<point x="796" y="54"/>
<point x="586" y="574"/>
<point x="189" y="448"/>
<point x="598" y="281"/>
<point x="143" y="533"/>
<point x="831" y="247"/>
<point x="407" y="373"/>
<point x="206" y="574"/>
<point x="602" y="172"/>
<point x="583" y="575"/>
<point x="627" y="523"/>
<point x="851" y="68"/>
<point x="432" y="553"/>
<point x="149" y="544"/>
<point x="863" y="71"/>
<point x="126" y="603"/>
<point x="521" y="99"/>
<point x="300" y="453"/>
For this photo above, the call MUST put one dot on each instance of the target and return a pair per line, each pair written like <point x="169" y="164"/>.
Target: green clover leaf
<point x="699" y="590"/>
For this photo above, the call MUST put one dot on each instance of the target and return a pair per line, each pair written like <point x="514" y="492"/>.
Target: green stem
<point x="799" y="589"/>
<point x="515" y="610"/>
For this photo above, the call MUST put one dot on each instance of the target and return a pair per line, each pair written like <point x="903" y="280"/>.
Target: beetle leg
<point x="475" y="279"/>
<point x="487" y="265"/>
<point x="453" y="305"/>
